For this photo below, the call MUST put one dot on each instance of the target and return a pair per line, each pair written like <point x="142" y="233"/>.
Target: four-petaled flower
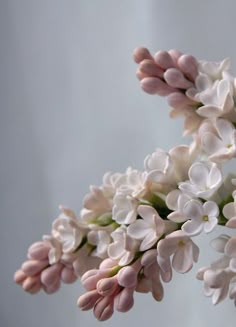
<point x="183" y="249"/>
<point x="202" y="216"/>
<point x="148" y="229"/>
<point x="204" y="180"/>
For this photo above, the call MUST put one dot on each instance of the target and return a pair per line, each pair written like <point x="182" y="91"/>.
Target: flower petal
<point x="192" y="227"/>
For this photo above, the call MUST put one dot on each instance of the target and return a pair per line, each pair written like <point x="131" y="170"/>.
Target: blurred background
<point x="72" y="109"/>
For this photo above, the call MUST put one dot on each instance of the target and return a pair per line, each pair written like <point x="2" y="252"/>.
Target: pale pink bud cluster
<point x="112" y="287"/>
<point x="167" y="73"/>
<point x="37" y="273"/>
<point x="109" y="287"/>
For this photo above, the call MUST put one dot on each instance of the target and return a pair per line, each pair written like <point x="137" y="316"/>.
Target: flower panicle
<point x="138" y="227"/>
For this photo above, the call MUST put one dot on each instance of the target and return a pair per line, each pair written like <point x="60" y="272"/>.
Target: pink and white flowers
<point x="137" y="227"/>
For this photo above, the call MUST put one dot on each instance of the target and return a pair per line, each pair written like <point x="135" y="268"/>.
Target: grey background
<point x="71" y="109"/>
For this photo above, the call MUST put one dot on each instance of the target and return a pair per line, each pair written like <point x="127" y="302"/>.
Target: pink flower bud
<point x="38" y="251"/>
<point x="51" y="274"/>
<point x="124" y="301"/>
<point x="164" y="60"/>
<point x="179" y="100"/>
<point x="175" y="54"/>
<point x="107" y="263"/>
<point x="103" y="308"/>
<point x="140" y="54"/>
<point x="87" y="301"/>
<point x="157" y="289"/>
<point x="189" y="66"/>
<point x="149" y="67"/>
<point x="140" y="75"/>
<point x="19" y="276"/>
<point x="32" y="284"/>
<point x="33" y="267"/>
<point x="91" y="277"/>
<point x="68" y="276"/>
<point x="107" y="286"/>
<point x="154" y="85"/>
<point x="54" y="287"/>
<point x="175" y="78"/>
<point x="127" y="277"/>
<point x="149" y="257"/>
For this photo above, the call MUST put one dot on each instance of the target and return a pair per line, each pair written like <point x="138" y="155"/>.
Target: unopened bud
<point x="127" y="277"/>
<point x="87" y="301"/>
<point x="103" y="308"/>
<point x="164" y="60"/>
<point x="124" y="301"/>
<point x="140" y="54"/>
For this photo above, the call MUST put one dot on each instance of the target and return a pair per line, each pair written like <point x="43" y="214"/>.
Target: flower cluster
<point x="138" y="226"/>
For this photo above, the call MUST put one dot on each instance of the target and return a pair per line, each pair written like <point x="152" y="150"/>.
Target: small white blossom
<point x="204" y="180"/>
<point x="124" y="248"/>
<point x="95" y="204"/>
<point x="55" y="251"/>
<point x="148" y="229"/>
<point x="202" y="216"/>
<point x="111" y="183"/>
<point x="125" y="208"/>
<point x="221" y="145"/>
<point x="216" y="95"/>
<point x="101" y="239"/>
<point x="214" y="69"/>
<point x="136" y="184"/>
<point x="68" y="231"/>
<point x="183" y="249"/>
<point x="176" y="201"/>
<point x="169" y="168"/>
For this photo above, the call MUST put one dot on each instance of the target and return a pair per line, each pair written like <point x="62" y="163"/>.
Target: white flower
<point x="202" y="216"/>
<point x="214" y="69"/>
<point x="221" y="145"/>
<point x="111" y="182"/>
<point x="216" y="284"/>
<point x="204" y="180"/>
<point x="149" y="229"/>
<point x="55" y="251"/>
<point x="68" y="231"/>
<point x="124" y="248"/>
<point x="229" y="211"/>
<point x="135" y="184"/>
<point x="216" y="96"/>
<point x="159" y="167"/>
<point x="176" y="201"/>
<point x="101" y="239"/>
<point x="169" y="168"/>
<point x="184" y="251"/>
<point x="95" y="204"/>
<point x="125" y="208"/>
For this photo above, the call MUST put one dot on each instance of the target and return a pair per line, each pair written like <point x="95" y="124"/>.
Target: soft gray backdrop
<point x="71" y="109"/>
